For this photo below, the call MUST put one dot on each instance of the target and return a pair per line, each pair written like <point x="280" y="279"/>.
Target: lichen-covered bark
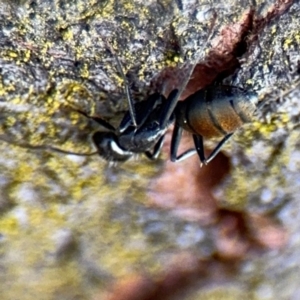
<point x="70" y="226"/>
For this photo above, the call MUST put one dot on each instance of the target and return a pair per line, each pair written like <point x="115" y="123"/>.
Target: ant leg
<point x="176" y="136"/>
<point x="44" y="147"/>
<point x="144" y="109"/>
<point x="168" y="108"/>
<point x="58" y="150"/>
<point x="128" y="94"/>
<point x="148" y="106"/>
<point x="99" y="120"/>
<point x="218" y="148"/>
<point x="198" y="141"/>
<point x="186" y="155"/>
<point x="156" y="149"/>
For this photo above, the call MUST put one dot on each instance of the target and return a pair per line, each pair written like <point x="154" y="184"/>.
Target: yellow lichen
<point x="9" y="225"/>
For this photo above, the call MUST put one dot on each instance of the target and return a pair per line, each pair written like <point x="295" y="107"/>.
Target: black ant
<point x="215" y="111"/>
<point x="211" y="112"/>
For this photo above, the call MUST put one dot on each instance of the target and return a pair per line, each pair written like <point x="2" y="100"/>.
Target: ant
<point x="215" y="111"/>
<point x="211" y="112"/>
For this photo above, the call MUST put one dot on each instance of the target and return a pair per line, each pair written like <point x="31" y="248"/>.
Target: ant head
<point x="108" y="147"/>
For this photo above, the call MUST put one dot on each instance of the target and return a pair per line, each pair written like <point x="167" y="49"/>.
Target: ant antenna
<point x="126" y="86"/>
<point x="43" y="147"/>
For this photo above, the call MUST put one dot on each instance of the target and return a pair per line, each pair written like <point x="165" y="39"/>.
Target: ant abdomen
<point x="216" y="111"/>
